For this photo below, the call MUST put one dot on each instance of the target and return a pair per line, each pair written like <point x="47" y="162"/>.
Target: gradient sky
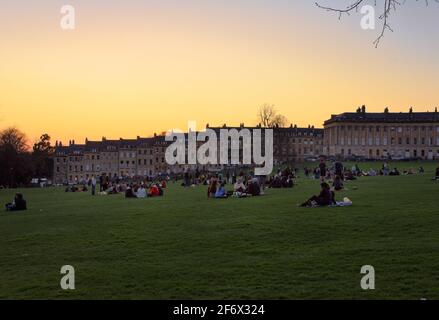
<point x="138" y="67"/>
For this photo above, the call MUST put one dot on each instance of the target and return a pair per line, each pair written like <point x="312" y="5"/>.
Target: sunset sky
<point x="137" y="67"/>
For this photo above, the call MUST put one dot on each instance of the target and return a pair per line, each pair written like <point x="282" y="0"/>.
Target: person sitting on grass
<point x="349" y="175"/>
<point x="19" y="204"/>
<point x="221" y="191"/>
<point x="129" y="193"/>
<point x="394" y="172"/>
<point x="436" y="177"/>
<point x="325" y="198"/>
<point x="239" y="186"/>
<point x="154" y="191"/>
<point x="211" y="190"/>
<point x="253" y="187"/>
<point x="338" y="184"/>
<point x="112" y="190"/>
<point x="161" y="192"/>
<point x="141" y="192"/>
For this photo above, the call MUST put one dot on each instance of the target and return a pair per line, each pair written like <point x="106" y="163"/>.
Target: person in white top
<point x="93" y="186"/>
<point x="141" y="192"/>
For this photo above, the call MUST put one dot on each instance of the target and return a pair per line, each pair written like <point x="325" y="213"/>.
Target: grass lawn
<point x="185" y="246"/>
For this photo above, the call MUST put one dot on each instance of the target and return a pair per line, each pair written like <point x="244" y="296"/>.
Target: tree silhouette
<point x="269" y="118"/>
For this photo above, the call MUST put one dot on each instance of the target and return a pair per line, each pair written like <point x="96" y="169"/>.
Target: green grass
<point x="185" y="246"/>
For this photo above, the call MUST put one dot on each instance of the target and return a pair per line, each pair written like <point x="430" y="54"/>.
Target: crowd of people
<point x="332" y="178"/>
<point x="133" y="189"/>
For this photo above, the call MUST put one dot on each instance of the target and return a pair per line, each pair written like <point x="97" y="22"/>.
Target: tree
<point x="42" y="157"/>
<point x="389" y="6"/>
<point x="15" y="163"/>
<point x="269" y="118"/>
<point x="14" y="139"/>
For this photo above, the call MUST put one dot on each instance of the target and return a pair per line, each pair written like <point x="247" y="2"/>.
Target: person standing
<point x="339" y="169"/>
<point x="322" y="167"/>
<point x="93" y="186"/>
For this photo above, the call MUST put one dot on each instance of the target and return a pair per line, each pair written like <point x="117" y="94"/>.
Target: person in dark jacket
<point x="323" y="170"/>
<point x="129" y="193"/>
<point x="338" y="166"/>
<point x="338" y="184"/>
<point x="325" y="198"/>
<point x="19" y="204"/>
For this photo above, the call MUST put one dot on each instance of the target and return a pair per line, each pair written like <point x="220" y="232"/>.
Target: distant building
<point x="352" y="135"/>
<point x="383" y="135"/>
<point x="143" y="157"/>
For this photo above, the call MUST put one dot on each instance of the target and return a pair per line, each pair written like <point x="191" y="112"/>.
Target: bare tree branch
<point x="389" y="7"/>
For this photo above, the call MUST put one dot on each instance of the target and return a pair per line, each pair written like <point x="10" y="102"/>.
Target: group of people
<point x="143" y="191"/>
<point x="283" y="179"/>
<point x="243" y="187"/>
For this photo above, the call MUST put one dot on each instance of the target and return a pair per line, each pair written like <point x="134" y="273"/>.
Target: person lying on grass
<point x="325" y="198"/>
<point x="76" y="189"/>
<point x="18" y="204"/>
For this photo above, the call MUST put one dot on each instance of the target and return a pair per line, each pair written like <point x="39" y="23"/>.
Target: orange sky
<point x="144" y="67"/>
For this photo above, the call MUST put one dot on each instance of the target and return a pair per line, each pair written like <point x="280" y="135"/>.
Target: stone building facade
<point x="355" y="135"/>
<point x="386" y="135"/>
<point x="146" y="156"/>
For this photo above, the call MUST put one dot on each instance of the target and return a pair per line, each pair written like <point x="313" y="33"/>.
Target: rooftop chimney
<point x="363" y="108"/>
